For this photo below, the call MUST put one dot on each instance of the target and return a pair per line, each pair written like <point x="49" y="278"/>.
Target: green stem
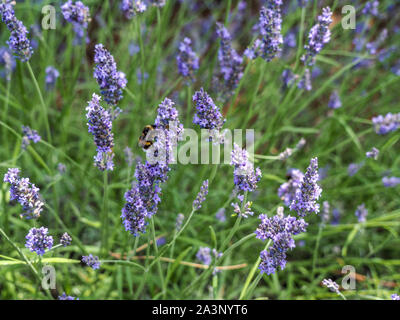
<point x="244" y="292"/>
<point x="315" y="253"/>
<point x="104" y="242"/>
<point x="156" y="251"/>
<point x="43" y="105"/>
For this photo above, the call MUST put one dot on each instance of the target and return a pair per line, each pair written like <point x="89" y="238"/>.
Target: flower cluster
<point x="29" y="135"/>
<point x="65" y="297"/>
<point x="270" y="25"/>
<point x="131" y="8"/>
<point x="187" y="60"/>
<point x="100" y="125"/>
<point x="168" y="132"/>
<point x="8" y="61"/>
<point x="207" y="116"/>
<point x="110" y="80"/>
<point x="245" y="177"/>
<point x="305" y="81"/>
<point x="201" y="196"/>
<point x="361" y="213"/>
<point x="373" y="153"/>
<point x="51" y="77"/>
<point x="143" y="198"/>
<point x="326" y="209"/>
<point x="38" y="241"/>
<point x="205" y="255"/>
<point x="179" y="221"/>
<point x="288" y="190"/>
<point x="307" y="195"/>
<point x="231" y="70"/>
<point x="91" y="261"/>
<point x="158" y="3"/>
<point x="319" y="35"/>
<point x="25" y="192"/>
<point x="243" y="208"/>
<point x="18" y="42"/>
<point x="390" y="182"/>
<point x="371" y="8"/>
<point x="65" y="240"/>
<point x="395" y="296"/>
<point x="78" y="15"/>
<point x="331" y="285"/>
<point x="334" y="100"/>
<point x="280" y="230"/>
<point x="385" y="124"/>
<point x="353" y="168"/>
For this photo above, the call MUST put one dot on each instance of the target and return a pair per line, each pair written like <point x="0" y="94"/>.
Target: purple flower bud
<point x="334" y="100"/>
<point x="361" y="213"/>
<point x="65" y="239"/>
<point x="373" y="153"/>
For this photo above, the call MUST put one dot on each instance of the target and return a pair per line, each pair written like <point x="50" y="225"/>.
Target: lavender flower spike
<point x="65" y="239"/>
<point x="131" y="8"/>
<point x="91" y="261"/>
<point x="187" y="60"/>
<point x="395" y="296"/>
<point x="100" y="125"/>
<point x="319" y="35"/>
<point x="18" y="42"/>
<point x="110" y="80"/>
<point x="309" y="192"/>
<point x="373" y="153"/>
<point x="245" y="177"/>
<point x="78" y="15"/>
<point x="385" y="124"/>
<point x="201" y="196"/>
<point x="208" y="115"/>
<point x="390" y="182"/>
<point x="270" y="25"/>
<point x="361" y="213"/>
<point x="65" y="297"/>
<point x="331" y="285"/>
<point x="29" y="135"/>
<point x="231" y="70"/>
<point x="38" y="241"/>
<point x="52" y="75"/>
<point x="280" y="230"/>
<point x="334" y="100"/>
<point x="25" y="192"/>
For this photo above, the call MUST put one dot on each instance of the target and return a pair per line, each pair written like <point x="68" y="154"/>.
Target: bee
<point x="147" y="137"/>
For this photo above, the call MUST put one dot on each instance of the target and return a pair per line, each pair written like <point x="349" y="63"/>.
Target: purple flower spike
<point x="245" y="177"/>
<point x="319" y="36"/>
<point x="38" y="241"/>
<point x="25" y="192"/>
<point x="361" y="213"/>
<point x="18" y="42"/>
<point x="385" y="124"/>
<point x="208" y="115"/>
<point x="309" y="192"/>
<point x="201" y="196"/>
<point x="334" y="100"/>
<point x="110" y="80"/>
<point x="100" y="125"/>
<point x="52" y="75"/>
<point x="231" y="70"/>
<point x="65" y="239"/>
<point x="270" y="25"/>
<point x="65" y="297"/>
<point x="373" y="153"/>
<point x="131" y="8"/>
<point x="91" y="261"/>
<point x="187" y="60"/>
<point x="280" y="230"/>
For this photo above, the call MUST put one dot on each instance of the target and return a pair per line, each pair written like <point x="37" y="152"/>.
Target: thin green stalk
<point x="250" y="276"/>
<point x="43" y="105"/>
<point x="189" y="105"/>
<point x="104" y="225"/>
<point x="315" y="253"/>
<point x="156" y="251"/>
